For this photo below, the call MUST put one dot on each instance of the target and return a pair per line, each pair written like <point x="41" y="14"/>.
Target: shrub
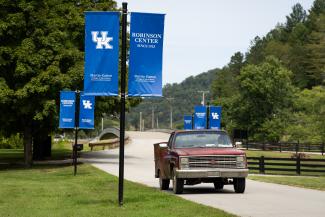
<point x="13" y="142"/>
<point x="301" y="155"/>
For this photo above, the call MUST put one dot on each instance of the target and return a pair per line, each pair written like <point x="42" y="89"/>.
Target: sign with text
<point x="67" y="109"/>
<point x="200" y="117"/>
<point x="87" y="112"/>
<point x="146" y="54"/>
<point x="215" y="117"/>
<point x="188" y="122"/>
<point x="101" y="53"/>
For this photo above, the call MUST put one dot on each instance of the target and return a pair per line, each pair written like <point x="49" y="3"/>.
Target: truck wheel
<point x="218" y="185"/>
<point x="178" y="184"/>
<point x="239" y="185"/>
<point x="163" y="183"/>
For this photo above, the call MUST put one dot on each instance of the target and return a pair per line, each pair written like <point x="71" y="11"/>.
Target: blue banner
<point x="67" y="109"/>
<point x="188" y="122"/>
<point x="215" y="117"/>
<point x="86" y="112"/>
<point x="101" y="53"/>
<point x="200" y="117"/>
<point x="146" y="54"/>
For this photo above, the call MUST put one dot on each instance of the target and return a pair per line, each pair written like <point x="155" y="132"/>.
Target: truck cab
<point x="200" y="156"/>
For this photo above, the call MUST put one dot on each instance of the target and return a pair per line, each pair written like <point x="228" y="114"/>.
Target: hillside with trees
<point x="276" y="90"/>
<point x="181" y="98"/>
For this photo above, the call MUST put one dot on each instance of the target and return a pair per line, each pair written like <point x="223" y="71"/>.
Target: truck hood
<point x="208" y="151"/>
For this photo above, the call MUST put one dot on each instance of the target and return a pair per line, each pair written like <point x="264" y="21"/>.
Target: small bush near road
<point x="15" y="141"/>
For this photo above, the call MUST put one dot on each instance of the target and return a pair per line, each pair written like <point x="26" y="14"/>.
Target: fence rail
<point x="285" y="146"/>
<point x="297" y="165"/>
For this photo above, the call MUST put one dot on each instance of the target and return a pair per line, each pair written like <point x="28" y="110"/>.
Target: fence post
<point x="261" y="165"/>
<point x="280" y="144"/>
<point x="297" y="147"/>
<point x="263" y="146"/>
<point x="246" y="144"/>
<point x="298" y="165"/>
<point x="323" y="148"/>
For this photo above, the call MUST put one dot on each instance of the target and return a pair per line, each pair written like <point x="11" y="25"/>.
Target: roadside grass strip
<point x="54" y="191"/>
<point x="317" y="183"/>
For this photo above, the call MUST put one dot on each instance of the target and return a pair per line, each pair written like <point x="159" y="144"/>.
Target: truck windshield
<point x="202" y="140"/>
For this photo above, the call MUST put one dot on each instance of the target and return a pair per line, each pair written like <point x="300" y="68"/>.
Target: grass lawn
<point x="54" y="191"/>
<point x="275" y="154"/>
<point x="298" y="181"/>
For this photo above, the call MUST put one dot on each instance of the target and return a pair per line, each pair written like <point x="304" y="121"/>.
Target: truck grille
<point x="223" y="161"/>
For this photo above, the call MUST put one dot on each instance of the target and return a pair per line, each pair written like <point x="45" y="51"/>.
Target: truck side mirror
<point x="238" y="144"/>
<point x="163" y="145"/>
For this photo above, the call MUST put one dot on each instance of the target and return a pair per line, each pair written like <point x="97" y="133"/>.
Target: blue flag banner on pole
<point x="200" y="117"/>
<point x="215" y="117"/>
<point x="146" y="54"/>
<point x="101" y="53"/>
<point x="87" y="112"/>
<point x="187" y="122"/>
<point x="67" y="109"/>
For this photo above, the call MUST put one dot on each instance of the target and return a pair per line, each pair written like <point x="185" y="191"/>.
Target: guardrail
<point x="296" y="165"/>
<point x="285" y="146"/>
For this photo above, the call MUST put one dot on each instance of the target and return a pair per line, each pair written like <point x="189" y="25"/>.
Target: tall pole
<point x="140" y="122"/>
<point x="170" y="99"/>
<point x="122" y="112"/>
<point x="76" y="129"/>
<point x="153" y="118"/>
<point x="203" y="95"/>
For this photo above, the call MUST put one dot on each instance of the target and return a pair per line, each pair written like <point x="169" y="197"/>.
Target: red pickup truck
<point x="196" y="156"/>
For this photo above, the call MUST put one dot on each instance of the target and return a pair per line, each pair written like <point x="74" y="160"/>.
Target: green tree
<point x="265" y="90"/>
<point x="308" y="119"/>
<point x="298" y="15"/>
<point x="41" y="53"/>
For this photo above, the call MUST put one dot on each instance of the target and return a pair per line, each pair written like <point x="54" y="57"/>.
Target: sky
<point x="203" y="35"/>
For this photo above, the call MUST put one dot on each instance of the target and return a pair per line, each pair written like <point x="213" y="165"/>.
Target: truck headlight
<point x="240" y="161"/>
<point x="184" y="163"/>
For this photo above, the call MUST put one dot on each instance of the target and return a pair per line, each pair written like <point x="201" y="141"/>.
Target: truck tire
<point x="178" y="184"/>
<point x="218" y="185"/>
<point x="239" y="185"/>
<point x="163" y="183"/>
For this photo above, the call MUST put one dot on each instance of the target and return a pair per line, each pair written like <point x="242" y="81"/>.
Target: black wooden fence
<point x="285" y="146"/>
<point x="296" y="165"/>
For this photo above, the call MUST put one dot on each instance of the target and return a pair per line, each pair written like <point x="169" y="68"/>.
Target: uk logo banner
<point x="101" y="53"/>
<point x="87" y="112"/>
<point x="200" y="117"/>
<point x="187" y="122"/>
<point x="215" y="117"/>
<point x="67" y="109"/>
<point x="146" y="54"/>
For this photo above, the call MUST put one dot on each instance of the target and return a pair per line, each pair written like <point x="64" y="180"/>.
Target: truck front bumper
<point x="211" y="173"/>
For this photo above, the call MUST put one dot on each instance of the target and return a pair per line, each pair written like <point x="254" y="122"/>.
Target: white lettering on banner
<point x="146" y="40"/>
<point x="84" y="120"/>
<point x="200" y="114"/>
<point x="100" y="77"/>
<point x="102" y="41"/>
<point x="188" y="121"/>
<point x="67" y="102"/>
<point x="215" y="115"/>
<point x="145" y="78"/>
<point x="67" y="120"/>
<point x="87" y="104"/>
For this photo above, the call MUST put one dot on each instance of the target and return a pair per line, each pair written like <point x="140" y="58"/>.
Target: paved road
<point x="260" y="199"/>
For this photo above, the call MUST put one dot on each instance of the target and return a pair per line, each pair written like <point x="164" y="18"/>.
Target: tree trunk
<point x="28" y="147"/>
